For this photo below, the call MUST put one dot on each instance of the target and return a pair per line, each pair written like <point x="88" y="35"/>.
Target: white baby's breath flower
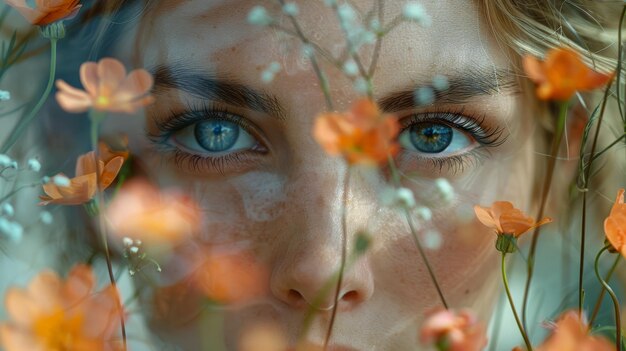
<point x="424" y="96"/>
<point x="267" y="76"/>
<point x="308" y="50"/>
<point x="445" y="190"/>
<point x="405" y="198"/>
<point x="291" y="9"/>
<point x="375" y="25"/>
<point x="127" y="241"/>
<point x="61" y="180"/>
<point x="133" y="249"/>
<point x="12" y="230"/>
<point x="5" y="161"/>
<point x="46" y="217"/>
<point x="416" y="12"/>
<point x="45" y="180"/>
<point x="7" y="210"/>
<point x="432" y="240"/>
<point x="440" y="82"/>
<point x="424" y="213"/>
<point x="360" y="85"/>
<point x="34" y="165"/>
<point x="351" y="68"/>
<point x="5" y="95"/>
<point x="259" y="16"/>
<point x="346" y="14"/>
<point x="397" y="197"/>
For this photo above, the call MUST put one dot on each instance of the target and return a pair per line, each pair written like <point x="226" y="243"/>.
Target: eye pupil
<point x="431" y="137"/>
<point x="216" y="135"/>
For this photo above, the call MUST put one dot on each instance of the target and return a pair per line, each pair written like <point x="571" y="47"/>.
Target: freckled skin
<point x="297" y="233"/>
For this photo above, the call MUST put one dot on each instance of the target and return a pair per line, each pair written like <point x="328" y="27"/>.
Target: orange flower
<point x="231" y="276"/>
<point x="141" y="211"/>
<point x="108" y="88"/>
<point x="52" y="314"/>
<point x="46" y="11"/>
<point x="82" y="188"/>
<point x="362" y="136"/>
<point x="453" y="332"/>
<point x="562" y="74"/>
<point x="503" y="218"/>
<point x="571" y="333"/>
<point x="615" y="224"/>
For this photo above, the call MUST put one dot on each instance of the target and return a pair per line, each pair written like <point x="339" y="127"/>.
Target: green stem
<point x="21" y="125"/>
<point x="529" y="346"/>
<point x="97" y="117"/>
<point x="344" y="248"/>
<point x="607" y="278"/>
<point x="556" y="142"/>
<point x="418" y="244"/>
<point x="607" y="287"/>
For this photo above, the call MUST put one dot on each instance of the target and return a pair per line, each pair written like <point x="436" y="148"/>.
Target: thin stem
<point x="96" y="118"/>
<point x="556" y="142"/>
<point x="21" y="125"/>
<point x="379" y="39"/>
<point x="608" y="147"/>
<point x="607" y="287"/>
<point x="418" y="244"/>
<point x="529" y="346"/>
<point x="344" y="249"/>
<point x="607" y="278"/>
<point x="619" y="62"/>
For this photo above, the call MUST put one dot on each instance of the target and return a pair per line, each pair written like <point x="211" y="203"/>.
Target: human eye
<point x="448" y="140"/>
<point x="207" y="139"/>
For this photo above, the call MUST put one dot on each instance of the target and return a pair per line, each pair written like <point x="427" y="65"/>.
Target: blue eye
<point x="434" y="138"/>
<point x="214" y="136"/>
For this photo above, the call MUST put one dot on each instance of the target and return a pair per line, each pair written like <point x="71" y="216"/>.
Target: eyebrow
<point x="205" y="85"/>
<point x="462" y="88"/>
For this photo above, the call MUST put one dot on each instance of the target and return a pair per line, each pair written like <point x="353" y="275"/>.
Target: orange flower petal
<point x="79" y="284"/>
<point x="533" y="68"/>
<point x="13" y="339"/>
<point x="137" y="83"/>
<point x="89" y="77"/>
<point x="72" y="99"/>
<point x="111" y="74"/>
<point x="485" y="217"/>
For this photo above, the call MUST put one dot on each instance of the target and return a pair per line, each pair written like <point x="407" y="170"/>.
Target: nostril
<point x="295" y="297"/>
<point x="350" y="297"/>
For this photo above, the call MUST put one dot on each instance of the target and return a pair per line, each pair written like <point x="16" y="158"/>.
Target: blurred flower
<point x="34" y="165"/>
<point x="414" y="11"/>
<point x="7" y="210"/>
<point x="291" y="9"/>
<point x="507" y="222"/>
<point x="571" y="333"/>
<point x="141" y="211"/>
<point x="503" y="218"/>
<point x="46" y="11"/>
<point x="562" y="74"/>
<point x="267" y="76"/>
<point x="107" y="88"/>
<point x="258" y="16"/>
<point x="12" y="230"/>
<point x="52" y="314"/>
<point x="82" y="188"/>
<point x="362" y="136"/>
<point x="263" y="337"/>
<point x="5" y="95"/>
<point x="230" y="277"/>
<point x="400" y="197"/>
<point x="615" y="224"/>
<point x="46" y="217"/>
<point x="451" y="331"/>
<point x="5" y="161"/>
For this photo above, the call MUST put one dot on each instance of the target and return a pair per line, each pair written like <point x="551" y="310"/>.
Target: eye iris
<point x="216" y="135"/>
<point x="431" y="137"/>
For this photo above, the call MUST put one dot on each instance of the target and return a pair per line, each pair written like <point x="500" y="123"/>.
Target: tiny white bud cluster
<point x="33" y="164"/>
<point x="416" y="12"/>
<point x="267" y="76"/>
<point x="61" y="180"/>
<point x="398" y="197"/>
<point x="46" y="217"/>
<point x="5" y="95"/>
<point x="12" y="230"/>
<point x="440" y="82"/>
<point x="7" y="210"/>
<point x="7" y="162"/>
<point x="445" y="190"/>
<point x="424" y="96"/>
<point x="291" y="9"/>
<point x="259" y="16"/>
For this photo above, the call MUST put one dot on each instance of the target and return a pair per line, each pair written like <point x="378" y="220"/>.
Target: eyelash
<point x="486" y="137"/>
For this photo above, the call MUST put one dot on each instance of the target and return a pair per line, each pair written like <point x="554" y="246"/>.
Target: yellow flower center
<point x="103" y="101"/>
<point x="58" y="331"/>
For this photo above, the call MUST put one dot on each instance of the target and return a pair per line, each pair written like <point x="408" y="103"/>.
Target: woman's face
<point x="243" y="148"/>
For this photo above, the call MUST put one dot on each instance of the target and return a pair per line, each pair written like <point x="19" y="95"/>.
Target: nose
<point x="306" y="271"/>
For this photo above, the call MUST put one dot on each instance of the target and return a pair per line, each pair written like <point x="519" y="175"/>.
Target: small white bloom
<point x="138" y="242"/>
<point x="361" y="86"/>
<point x="424" y="213"/>
<point x="440" y="82"/>
<point x="445" y="189"/>
<point x="346" y="14"/>
<point x="308" y="50"/>
<point x="351" y="68"/>
<point x="5" y="161"/>
<point x="5" y="95"/>
<point x="7" y="210"/>
<point x="274" y="67"/>
<point x="267" y="76"/>
<point x="258" y="16"/>
<point x="405" y="198"/>
<point x="46" y="217"/>
<point x="61" y="180"/>
<point x="432" y="240"/>
<point x="416" y="12"/>
<point x="13" y="165"/>
<point x="127" y="241"/>
<point x="12" y="230"/>
<point x="375" y="25"/>
<point x="424" y="96"/>
<point x="45" y="180"/>
<point x="291" y="9"/>
<point x="34" y="165"/>
<point x="134" y="249"/>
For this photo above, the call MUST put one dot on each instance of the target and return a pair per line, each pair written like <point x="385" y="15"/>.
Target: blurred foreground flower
<point x="82" y="188"/>
<point x="562" y="74"/>
<point x="450" y="331"/>
<point x="52" y="314"/>
<point x="571" y="333"/>
<point x="508" y="222"/>
<point x="615" y="224"/>
<point x="46" y="11"/>
<point x="107" y="88"/>
<point x="231" y="276"/>
<point x="141" y="211"/>
<point x="362" y="136"/>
